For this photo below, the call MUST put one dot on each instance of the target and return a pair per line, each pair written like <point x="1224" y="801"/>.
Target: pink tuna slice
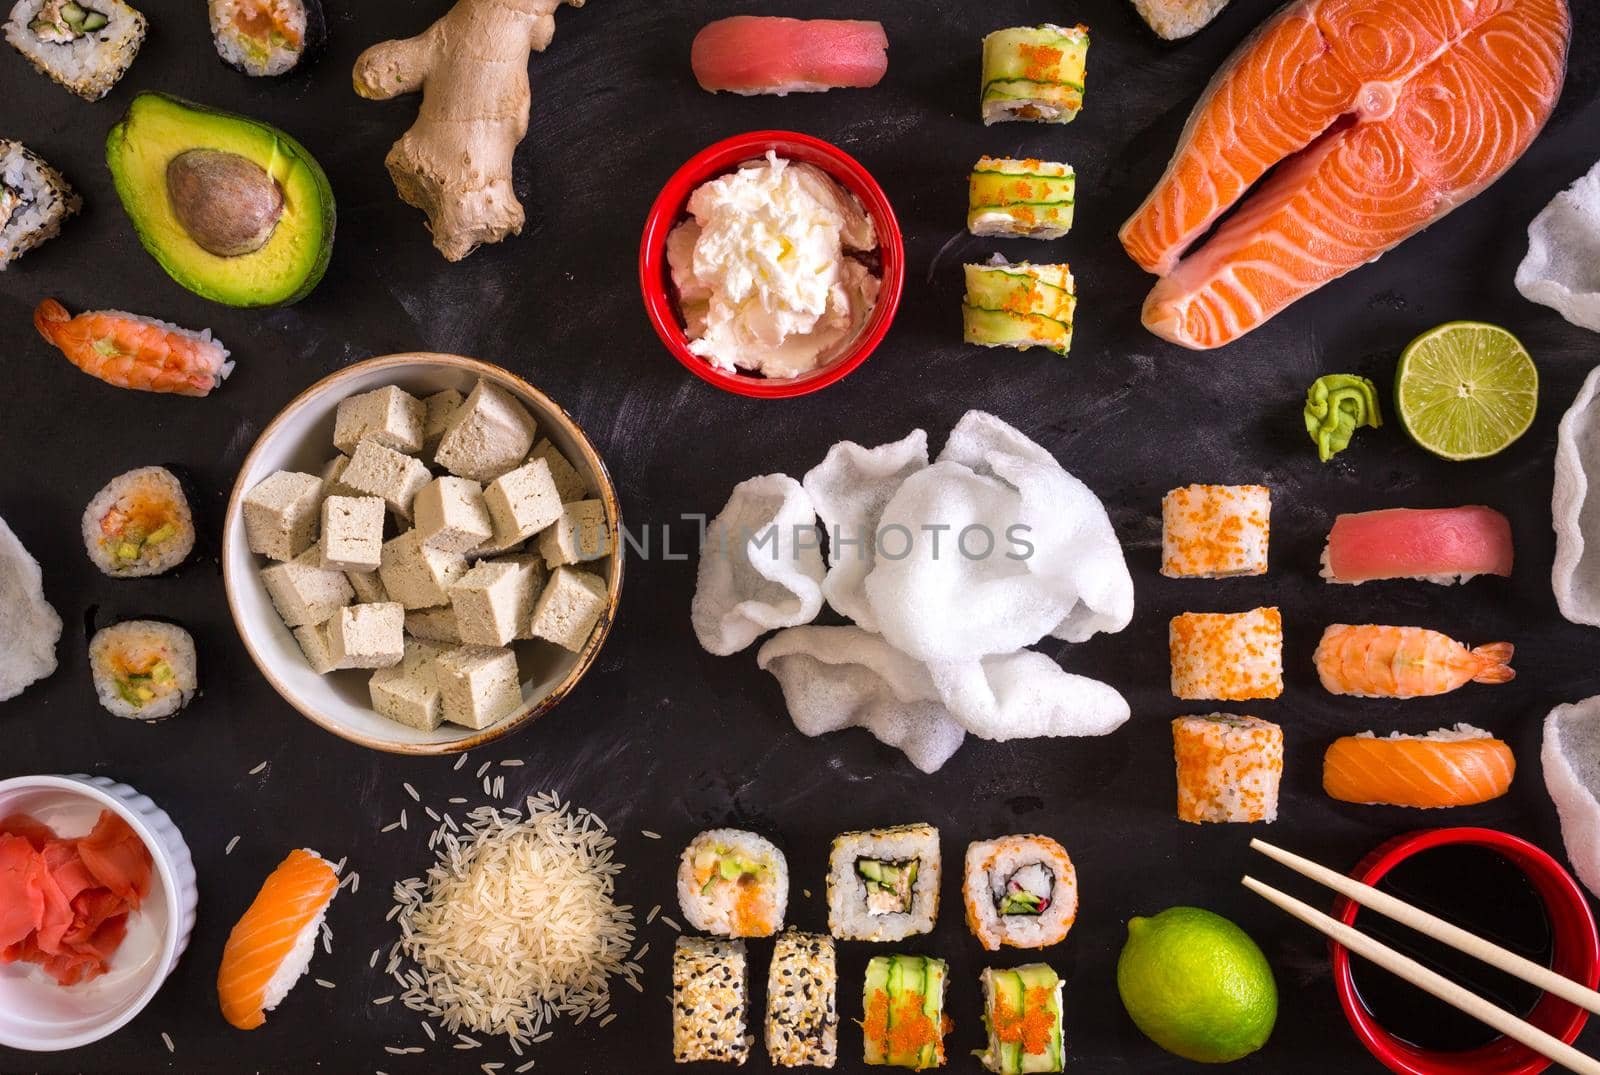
<point x="752" y="54"/>
<point x="1410" y="543"/>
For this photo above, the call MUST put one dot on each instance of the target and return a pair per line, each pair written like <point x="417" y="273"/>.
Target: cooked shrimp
<point x="1373" y="661"/>
<point x="130" y="351"/>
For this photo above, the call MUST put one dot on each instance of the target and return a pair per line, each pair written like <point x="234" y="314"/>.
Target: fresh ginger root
<point x="472" y="68"/>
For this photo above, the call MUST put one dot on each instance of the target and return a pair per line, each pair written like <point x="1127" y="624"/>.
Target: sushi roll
<point x="1022" y="1012"/>
<point x="903" y="1023"/>
<point x="1020" y="891"/>
<point x="1215" y="531"/>
<point x="1029" y="199"/>
<point x="1034" y="73"/>
<point x="710" y="990"/>
<point x="139" y="524"/>
<point x="34" y="201"/>
<point x="883" y="884"/>
<point x="802" y="1001"/>
<point x="1019" y="305"/>
<point x="1228" y="768"/>
<point x="733" y="883"/>
<point x="1227" y="656"/>
<point x="266" y="38"/>
<point x="85" y="46"/>
<point x="271" y="946"/>
<point x="1459" y="766"/>
<point x="143" y="669"/>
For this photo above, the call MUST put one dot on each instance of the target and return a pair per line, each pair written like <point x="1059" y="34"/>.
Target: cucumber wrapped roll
<point x="1026" y="198"/>
<point x="1022" y="1011"/>
<point x="1034" y="73"/>
<point x="903" y="1006"/>
<point x="1019" y="305"/>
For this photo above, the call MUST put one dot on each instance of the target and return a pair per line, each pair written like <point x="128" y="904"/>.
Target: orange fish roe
<point x="1227" y="656"/>
<point x="1042" y="63"/>
<point x="1215" y="531"/>
<point x="1228" y="768"/>
<point x="1032" y="1027"/>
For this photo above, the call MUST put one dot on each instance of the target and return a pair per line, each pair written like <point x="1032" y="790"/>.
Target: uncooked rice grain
<point x="260" y="766"/>
<point x="648" y="835"/>
<point x="233" y="843"/>
<point x="459" y="762"/>
<point x="383" y="1000"/>
<point x="323" y="982"/>
<point x="484" y="768"/>
<point x="411" y="791"/>
<point x="665" y="921"/>
<point x="166" y="1039"/>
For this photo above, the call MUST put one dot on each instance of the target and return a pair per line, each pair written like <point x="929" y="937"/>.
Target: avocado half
<point x="287" y="265"/>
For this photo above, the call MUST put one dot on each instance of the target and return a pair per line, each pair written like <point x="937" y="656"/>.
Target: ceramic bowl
<point x="1576" y="956"/>
<point x="301" y="438"/>
<point x="41" y="1016"/>
<point x="655" y="278"/>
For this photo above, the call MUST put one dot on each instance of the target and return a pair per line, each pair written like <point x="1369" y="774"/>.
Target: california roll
<point x="265" y="38"/>
<point x="143" y="669"/>
<point x="883" y="884"/>
<point x="139" y="524"/>
<point x="86" y="46"/>
<point x="733" y="883"/>
<point x="1020" y="891"/>
<point x="34" y="201"/>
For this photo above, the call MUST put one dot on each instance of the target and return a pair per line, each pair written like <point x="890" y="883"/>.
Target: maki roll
<point x="139" y="524"/>
<point x="34" y="201"/>
<point x="85" y="46"/>
<point x="1029" y="199"/>
<point x="1034" y="73"/>
<point x="1226" y="656"/>
<point x="733" y="883"/>
<point x="802" y="1004"/>
<point x="1228" y="768"/>
<point x="266" y="38"/>
<point x="1019" y="305"/>
<point x="143" y="669"/>
<point x="1215" y="531"/>
<point x="904" y="1024"/>
<point x="709" y="993"/>
<point x="1020" y="891"/>
<point x="883" y="884"/>
<point x="1022" y="1011"/>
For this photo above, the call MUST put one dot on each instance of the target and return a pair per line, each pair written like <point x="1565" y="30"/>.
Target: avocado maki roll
<point x="267" y="38"/>
<point x="883" y="885"/>
<point x="1034" y="73"/>
<point x="903" y="1022"/>
<point x="1029" y="199"/>
<point x="1022" y="1012"/>
<point x="802" y="1001"/>
<point x="1019" y="305"/>
<point x="34" y="201"/>
<point x="143" y="669"/>
<point x="710" y="990"/>
<point x="733" y="883"/>
<point x="139" y="524"/>
<point x="1020" y="891"/>
<point x="85" y="45"/>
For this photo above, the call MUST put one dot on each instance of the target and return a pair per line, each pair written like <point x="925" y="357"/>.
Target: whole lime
<point x="1197" y="985"/>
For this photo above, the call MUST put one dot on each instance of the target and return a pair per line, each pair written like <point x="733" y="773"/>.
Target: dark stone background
<point x="660" y="735"/>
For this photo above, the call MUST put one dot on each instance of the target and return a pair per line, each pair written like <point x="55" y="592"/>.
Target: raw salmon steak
<point x="754" y="54"/>
<point x="1374" y="117"/>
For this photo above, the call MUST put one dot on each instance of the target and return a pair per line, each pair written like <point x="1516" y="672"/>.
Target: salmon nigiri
<point x="130" y="351"/>
<point x="1373" y="661"/>
<point x="1456" y="766"/>
<point x="271" y="946"/>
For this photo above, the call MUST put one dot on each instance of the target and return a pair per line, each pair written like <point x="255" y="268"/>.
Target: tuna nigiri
<point x="1373" y="661"/>
<point x="1442" y="545"/>
<point x="130" y="351"/>
<point x="1456" y="766"/>
<point x="271" y="946"/>
<point x="754" y="54"/>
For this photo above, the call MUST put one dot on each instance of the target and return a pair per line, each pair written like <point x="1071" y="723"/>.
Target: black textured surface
<point x="660" y="735"/>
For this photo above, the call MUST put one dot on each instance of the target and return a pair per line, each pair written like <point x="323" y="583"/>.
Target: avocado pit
<point x="227" y="203"/>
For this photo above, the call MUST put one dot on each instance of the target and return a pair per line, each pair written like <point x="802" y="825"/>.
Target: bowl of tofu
<point x="421" y="553"/>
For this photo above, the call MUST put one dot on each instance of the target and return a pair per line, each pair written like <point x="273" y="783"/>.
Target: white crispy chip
<point x="29" y="627"/>
<point x="1575" y="508"/>
<point x="850" y="488"/>
<point x="1026" y="695"/>
<point x="1571" y="761"/>
<point x="1562" y="268"/>
<point x="761" y="566"/>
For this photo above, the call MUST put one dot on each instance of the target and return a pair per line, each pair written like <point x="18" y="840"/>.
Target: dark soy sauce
<point x="1481" y="891"/>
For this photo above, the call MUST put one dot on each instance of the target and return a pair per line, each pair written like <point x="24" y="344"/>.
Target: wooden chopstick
<point x="1423" y="922"/>
<point x="1428" y="981"/>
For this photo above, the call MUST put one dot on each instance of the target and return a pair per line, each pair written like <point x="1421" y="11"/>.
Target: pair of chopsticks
<point x="1420" y="976"/>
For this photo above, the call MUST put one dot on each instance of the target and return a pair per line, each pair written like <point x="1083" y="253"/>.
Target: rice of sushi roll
<point x="733" y="883"/>
<point x="266" y="38"/>
<point x="1020" y="891"/>
<point x="34" y="201"/>
<point x="85" y="45"/>
<point x="1226" y="656"/>
<point x="710" y="990"/>
<point x="1229" y="768"/>
<point x="139" y="524"/>
<point x="802" y="1001"/>
<point x="1215" y="531"/>
<point x="1022" y="1012"/>
<point x="883" y="884"/>
<point x="143" y="669"/>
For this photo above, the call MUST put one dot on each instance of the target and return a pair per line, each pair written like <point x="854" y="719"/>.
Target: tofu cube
<point x="280" y="514"/>
<point x="493" y="602"/>
<point x="451" y="515"/>
<point x="368" y="585"/>
<point x="538" y="574"/>
<point x="439" y="406"/>
<point x="367" y="636"/>
<point x="376" y="470"/>
<point x="434" y="625"/>
<point x="303" y="591"/>
<point x="352" y="533"/>
<point x="569" y="607"/>
<point x="478" y="685"/>
<point x="580" y="534"/>
<point x="408" y="692"/>
<point x="417" y="576"/>
<point x="569" y="483"/>
<point x="388" y="415"/>
<point x="332" y="471"/>
<point x="523" y="501"/>
<point x="313" y="639"/>
<point x="486" y="436"/>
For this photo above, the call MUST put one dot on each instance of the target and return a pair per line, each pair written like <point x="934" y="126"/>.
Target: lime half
<point x="1466" y="390"/>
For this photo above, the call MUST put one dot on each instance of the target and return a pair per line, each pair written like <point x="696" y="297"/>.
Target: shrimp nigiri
<point x="271" y="946"/>
<point x="1373" y="661"/>
<point x="130" y="351"/>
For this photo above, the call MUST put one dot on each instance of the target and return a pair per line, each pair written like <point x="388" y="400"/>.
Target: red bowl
<point x="723" y="157"/>
<point x="1577" y="956"/>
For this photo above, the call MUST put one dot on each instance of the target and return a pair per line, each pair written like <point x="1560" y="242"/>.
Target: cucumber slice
<point x="996" y="328"/>
<point x="1022" y="288"/>
<point x="876" y="1051"/>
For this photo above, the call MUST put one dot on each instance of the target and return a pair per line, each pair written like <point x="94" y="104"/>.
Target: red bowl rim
<point x="720" y="158"/>
<point x="1576" y="947"/>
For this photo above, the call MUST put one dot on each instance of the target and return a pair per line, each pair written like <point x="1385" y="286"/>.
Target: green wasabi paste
<point x="1336" y="406"/>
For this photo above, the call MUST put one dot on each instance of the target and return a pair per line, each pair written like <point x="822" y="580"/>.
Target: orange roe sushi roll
<point x="1227" y="656"/>
<point x="1215" y="531"/>
<point x="1228" y="768"/>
